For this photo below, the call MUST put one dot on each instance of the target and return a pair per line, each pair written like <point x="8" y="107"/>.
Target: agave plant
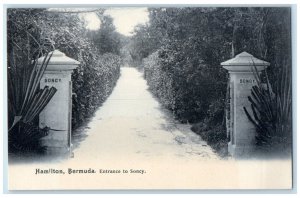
<point x="271" y="111"/>
<point x="26" y="101"/>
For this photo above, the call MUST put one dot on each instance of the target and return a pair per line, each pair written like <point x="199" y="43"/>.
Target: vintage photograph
<point x="172" y="97"/>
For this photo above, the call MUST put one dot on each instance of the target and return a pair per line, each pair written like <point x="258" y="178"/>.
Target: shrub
<point x="92" y="85"/>
<point x="159" y="81"/>
<point x="182" y="82"/>
<point x="272" y="111"/>
<point x="26" y="101"/>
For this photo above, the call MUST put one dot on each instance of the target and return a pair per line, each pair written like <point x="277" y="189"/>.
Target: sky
<point x="125" y="19"/>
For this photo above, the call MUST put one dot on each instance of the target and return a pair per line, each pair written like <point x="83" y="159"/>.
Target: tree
<point x="106" y="39"/>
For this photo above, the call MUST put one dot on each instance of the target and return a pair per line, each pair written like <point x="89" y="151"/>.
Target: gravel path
<point x="132" y="124"/>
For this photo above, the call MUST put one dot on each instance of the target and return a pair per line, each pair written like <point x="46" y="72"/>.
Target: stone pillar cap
<point x="59" y="61"/>
<point x="244" y="62"/>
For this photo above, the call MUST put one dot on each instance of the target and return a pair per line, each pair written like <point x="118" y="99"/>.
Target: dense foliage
<point x="188" y="53"/>
<point x="93" y="84"/>
<point x="34" y="32"/>
<point x="181" y="50"/>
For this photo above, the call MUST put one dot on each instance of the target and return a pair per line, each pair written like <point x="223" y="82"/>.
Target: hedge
<point x="92" y="85"/>
<point x="184" y="85"/>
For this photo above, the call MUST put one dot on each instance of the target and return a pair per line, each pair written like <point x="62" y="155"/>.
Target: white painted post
<point x="242" y="79"/>
<point x="57" y="114"/>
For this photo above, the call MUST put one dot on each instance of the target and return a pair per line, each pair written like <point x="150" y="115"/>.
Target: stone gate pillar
<point x="242" y="131"/>
<point x="58" y="113"/>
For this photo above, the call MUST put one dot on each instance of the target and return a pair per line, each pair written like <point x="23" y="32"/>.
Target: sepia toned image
<point x="149" y="98"/>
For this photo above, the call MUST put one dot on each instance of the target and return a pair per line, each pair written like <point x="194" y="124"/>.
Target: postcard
<point x="149" y="98"/>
